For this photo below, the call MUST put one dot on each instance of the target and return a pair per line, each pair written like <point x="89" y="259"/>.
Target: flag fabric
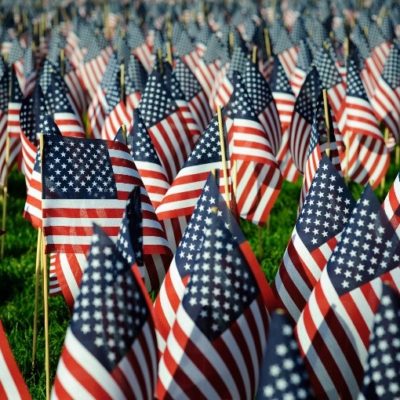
<point x="30" y="73"/>
<point x="304" y="61"/>
<point x="391" y="205"/>
<point x="264" y="105"/>
<point x="285" y="101"/>
<point x="253" y="165"/>
<point x="182" y="196"/>
<point x="136" y="41"/>
<point x="382" y="372"/>
<point x="219" y="332"/>
<point x="386" y="98"/>
<point x="186" y="51"/>
<point x="110" y="346"/>
<point x="325" y="212"/>
<point x="333" y="329"/>
<point x="166" y="125"/>
<point x="300" y="127"/>
<point x="12" y="384"/>
<point x="283" y="374"/>
<point x="147" y="162"/>
<point x="368" y="157"/>
<point x="94" y="181"/>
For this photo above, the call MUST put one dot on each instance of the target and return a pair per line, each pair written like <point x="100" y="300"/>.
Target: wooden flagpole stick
<point x="160" y="60"/>
<point x="122" y="82"/>
<point x="347" y="155"/>
<point x="45" y="300"/>
<point x="223" y="155"/>
<point x="123" y="127"/>
<point x="254" y="55"/>
<point x="62" y="62"/>
<point x="397" y="156"/>
<point x="267" y="41"/>
<point x="386" y="137"/>
<point x="170" y="57"/>
<point x="231" y="41"/>
<point x="37" y="285"/>
<point x="327" y="121"/>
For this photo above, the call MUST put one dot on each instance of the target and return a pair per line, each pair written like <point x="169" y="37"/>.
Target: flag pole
<point x="397" y="155"/>
<point x="122" y="82"/>
<point x="267" y="41"/>
<point x="223" y="154"/>
<point x="159" y="57"/>
<point x="327" y="122"/>
<point x="37" y="284"/>
<point x="45" y="298"/>
<point x="62" y="62"/>
<point x="386" y="137"/>
<point x="347" y="155"/>
<point x="254" y="55"/>
<point x="170" y="57"/>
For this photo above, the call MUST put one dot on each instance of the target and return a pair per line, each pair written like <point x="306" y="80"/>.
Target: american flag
<point x="334" y="327"/>
<point x="219" y="332"/>
<point x="15" y="60"/>
<point x="187" y="186"/>
<point x="304" y="61"/>
<point x="382" y="371"/>
<point x="147" y="162"/>
<point x="331" y="81"/>
<point x="177" y="94"/>
<point x="257" y="175"/>
<point x="30" y="73"/>
<point x="285" y="101"/>
<point x="166" y="125"/>
<point x="391" y="205"/>
<point x="304" y="109"/>
<point x="264" y="105"/>
<point x="110" y="348"/>
<point x="298" y="32"/>
<point x="185" y="49"/>
<point x="325" y="212"/>
<point x="4" y="98"/>
<point x="12" y="384"/>
<point x="283" y="374"/>
<point x="135" y="82"/>
<point x="194" y="94"/>
<point x="368" y="157"/>
<point x="136" y="41"/>
<point x="85" y="182"/>
<point x="386" y="98"/>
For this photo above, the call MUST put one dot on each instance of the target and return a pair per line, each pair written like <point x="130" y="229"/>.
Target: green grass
<point x="17" y="271"/>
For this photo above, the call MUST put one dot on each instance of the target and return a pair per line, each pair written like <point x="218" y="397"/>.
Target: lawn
<point x="18" y="267"/>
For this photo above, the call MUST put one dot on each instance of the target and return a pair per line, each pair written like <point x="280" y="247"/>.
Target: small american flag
<point x="386" y="98"/>
<point x="257" y="173"/>
<point x="219" y="332"/>
<point x="326" y="210"/>
<point x="110" y="349"/>
<point x="382" y="371"/>
<point x="368" y="157"/>
<point x="264" y="105"/>
<point x="185" y="49"/>
<point x="391" y="205"/>
<point x="285" y="101"/>
<point x="136" y="41"/>
<point x="283" y="374"/>
<point x="334" y="327"/>
<point x="166" y="125"/>
<point x="304" y="109"/>
<point x="304" y="61"/>
<point x="12" y="384"/>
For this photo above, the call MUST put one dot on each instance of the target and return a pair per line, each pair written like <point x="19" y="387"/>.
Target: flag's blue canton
<point x="360" y="41"/>
<point x="111" y="73"/>
<point x="172" y="83"/>
<point x="77" y="169"/>
<point x="130" y="237"/>
<point x="375" y="37"/>
<point x="56" y="98"/>
<point x="192" y="240"/>
<point x="368" y="247"/>
<point x="387" y="28"/>
<point x="327" y="70"/>
<point x="123" y="52"/>
<point x="238" y="61"/>
<point x="327" y="207"/>
<point x="16" y="52"/>
<point x="113" y="93"/>
<point x="355" y="87"/>
<point x="142" y="148"/>
<point x="319" y="34"/>
<point x="317" y="132"/>
<point x="93" y="49"/>
<point x="204" y="35"/>
<point x="137" y="76"/>
<point x="46" y="76"/>
<point x="304" y="58"/>
<point x="257" y="88"/>
<point x="221" y="285"/>
<point x="208" y="148"/>
<point x="29" y="66"/>
<point x="298" y="32"/>
<point x="279" y="81"/>
<point x="188" y="82"/>
<point x="194" y="31"/>
<point x="110" y="310"/>
<point x="391" y="71"/>
<point x="184" y="45"/>
<point x="214" y="50"/>
<point x="156" y="103"/>
<point x="3" y="67"/>
<point x="240" y="104"/>
<point x="158" y="42"/>
<point x="307" y="101"/>
<point x="382" y="373"/>
<point x="283" y="374"/>
<point x="280" y="38"/>
<point x="134" y="36"/>
<point x="47" y="126"/>
<point x="4" y="81"/>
